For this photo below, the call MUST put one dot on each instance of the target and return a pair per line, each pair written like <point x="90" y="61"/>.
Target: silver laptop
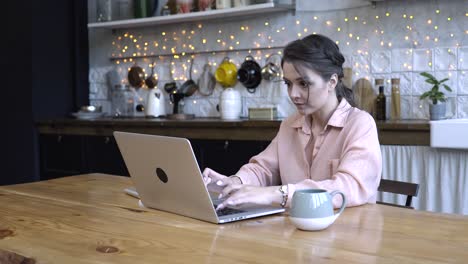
<point x="167" y="177"/>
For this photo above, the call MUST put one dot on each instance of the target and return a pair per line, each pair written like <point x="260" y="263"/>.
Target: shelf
<point x="257" y="9"/>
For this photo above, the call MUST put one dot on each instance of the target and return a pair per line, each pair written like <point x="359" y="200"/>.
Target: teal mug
<point x="312" y="209"/>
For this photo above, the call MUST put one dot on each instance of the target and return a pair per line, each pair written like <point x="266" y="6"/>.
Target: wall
<point x="393" y="39"/>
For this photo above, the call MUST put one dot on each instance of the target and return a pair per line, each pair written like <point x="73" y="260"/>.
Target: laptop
<point x="167" y="177"/>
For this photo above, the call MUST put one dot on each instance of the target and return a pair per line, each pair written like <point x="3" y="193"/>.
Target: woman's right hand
<point x="216" y="182"/>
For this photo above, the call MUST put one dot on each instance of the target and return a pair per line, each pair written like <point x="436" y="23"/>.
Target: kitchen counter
<point x="403" y="132"/>
<point x="89" y="219"/>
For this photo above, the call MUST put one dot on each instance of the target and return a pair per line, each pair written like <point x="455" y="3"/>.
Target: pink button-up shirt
<point x="345" y="156"/>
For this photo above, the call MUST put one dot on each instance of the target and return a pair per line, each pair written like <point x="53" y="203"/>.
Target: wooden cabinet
<point x="61" y="156"/>
<point x="70" y="155"/>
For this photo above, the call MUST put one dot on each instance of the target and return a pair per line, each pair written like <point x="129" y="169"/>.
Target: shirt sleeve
<point x="359" y="170"/>
<point x="262" y="169"/>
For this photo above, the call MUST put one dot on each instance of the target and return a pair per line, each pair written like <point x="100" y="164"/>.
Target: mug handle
<point x="343" y="205"/>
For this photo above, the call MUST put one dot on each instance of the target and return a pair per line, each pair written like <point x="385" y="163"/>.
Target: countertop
<point x="89" y="219"/>
<point x="403" y="132"/>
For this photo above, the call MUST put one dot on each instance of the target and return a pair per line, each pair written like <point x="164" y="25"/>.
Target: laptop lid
<point x="166" y="174"/>
<point x="167" y="177"/>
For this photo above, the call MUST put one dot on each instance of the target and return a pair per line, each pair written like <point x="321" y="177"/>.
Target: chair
<point x="405" y="188"/>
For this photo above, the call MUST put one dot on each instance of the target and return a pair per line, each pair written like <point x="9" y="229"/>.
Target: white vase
<point x="230" y="104"/>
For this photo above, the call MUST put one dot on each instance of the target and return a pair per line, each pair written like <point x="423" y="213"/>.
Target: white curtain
<point x="441" y="174"/>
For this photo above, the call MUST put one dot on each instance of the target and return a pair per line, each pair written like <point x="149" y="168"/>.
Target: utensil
<point x="189" y="87"/>
<point x="151" y="81"/>
<point x="271" y="71"/>
<point x="171" y="86"/>
<point x="250" y="74"/>
<point x="136" y="76"/>
<point x="207" y="81"/>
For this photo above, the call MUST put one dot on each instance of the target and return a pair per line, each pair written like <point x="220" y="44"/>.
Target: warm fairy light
<point x="337" y="42"/>
<point x="231" y="37"/>
<point x="163" y="33"/>
<point x="415" y="43"/>
<point x="437" y="11"/>
<point x="436" y="39"/>
<point x="376" y="17"/>
<point x="328" y="22"/>
<point x="200" y="25"/>
<point x="449" y="19"/>
<point x="305" y="29"/>
<point x="118" y="62"/>
<point x="346" y="19"/>
<point x="406" y="37"/>
<point x="390" y="44"/>
<point x="404" y="15"/>
<point x="382" y="43"/>
<point x="299" y="34"/>
<point x="218" y="40"/>
<point x="242" y="28"/>
<point x="429" y="21"/>
<point x="358" y="38"/>
<point x="436" y="27"/>
<point x="237" y="42"/>
<point x="220" y="31"/>
<point x="298" y="22"/>
<point x="134" y="40"/>
<point x="315" y="18"/>
<point x="411" y="17"/>
<point x="266" y="23"/>
<point x="427" y="37"/>
<point x="387" y="14"/>
<point x="350" y="35"/>
<point x="451" y="35"/>
<point x="338" y="29"/>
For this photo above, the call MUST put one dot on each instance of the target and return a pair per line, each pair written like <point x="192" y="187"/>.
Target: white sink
<point x="450" y="133"/>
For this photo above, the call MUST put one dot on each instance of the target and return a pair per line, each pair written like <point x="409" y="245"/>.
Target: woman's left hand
<point x="241" y="195"/>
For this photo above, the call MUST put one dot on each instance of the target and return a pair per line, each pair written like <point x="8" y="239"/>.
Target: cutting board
<point x="364" y="95"/>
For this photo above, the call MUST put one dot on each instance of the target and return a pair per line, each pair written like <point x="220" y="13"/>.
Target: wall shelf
<point x="251" y="10"/>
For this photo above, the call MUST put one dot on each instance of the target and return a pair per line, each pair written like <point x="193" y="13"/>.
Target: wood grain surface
<point x="89" y="219"/>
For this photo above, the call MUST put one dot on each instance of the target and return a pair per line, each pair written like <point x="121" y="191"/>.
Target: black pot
<point x="250" y="74"/>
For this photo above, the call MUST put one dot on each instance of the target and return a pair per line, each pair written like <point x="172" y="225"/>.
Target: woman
<point x="328" y="144"/>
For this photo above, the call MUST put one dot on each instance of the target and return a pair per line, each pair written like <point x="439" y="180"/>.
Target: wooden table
<point x="88" y="219"/>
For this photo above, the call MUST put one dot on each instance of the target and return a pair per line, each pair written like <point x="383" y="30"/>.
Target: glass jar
<point x="122" y="101"/>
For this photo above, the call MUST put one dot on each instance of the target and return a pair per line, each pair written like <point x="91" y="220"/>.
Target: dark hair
<point x="322" y="55"/>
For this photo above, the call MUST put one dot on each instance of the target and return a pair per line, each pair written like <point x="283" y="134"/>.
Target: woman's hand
<point x="238" y="196"/>
<point x="216" y="182"/>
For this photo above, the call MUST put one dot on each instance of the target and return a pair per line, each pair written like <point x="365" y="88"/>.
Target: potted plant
<point x="437" y="97"/>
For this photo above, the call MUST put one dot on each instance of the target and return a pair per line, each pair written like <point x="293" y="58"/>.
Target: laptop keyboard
<point x="227" y="211"/>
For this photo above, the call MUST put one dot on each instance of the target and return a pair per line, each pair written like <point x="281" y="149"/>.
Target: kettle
<point x="155" y="104"/>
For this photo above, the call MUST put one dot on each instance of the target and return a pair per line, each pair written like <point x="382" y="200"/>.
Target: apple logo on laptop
<point x="162" y="175"/>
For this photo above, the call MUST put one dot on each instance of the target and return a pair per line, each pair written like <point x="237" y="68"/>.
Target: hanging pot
<point x="189" y="87"/>
<point x="207" y="81"/>
<point x="136" y="76"/>
<point x="250" y="74"/>
<point x="272" y="71"/>
<point x="151" y="81"/>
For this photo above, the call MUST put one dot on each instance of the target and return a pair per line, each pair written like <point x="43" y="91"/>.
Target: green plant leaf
<point x="447" y="87"/>
<point x="431" y="81"/>
<point x="428" y="75"/>
<point x="443" y="80"/>
<point x="424" y="95"/>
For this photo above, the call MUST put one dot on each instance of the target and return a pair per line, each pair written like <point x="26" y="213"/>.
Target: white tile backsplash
<point x="381" y="61"/>
<point x="423" y="60"/>
<point x="463" y="58"/>
<point x="462" y="82"/>
<point x="462" y="106"/>
<point x="451" y="107"/>
<point x="420" y="108"/>
<point x="402" y="60"/>
<point x="445" y="59"/>
<point x="373" y="49"/>
<point x="420" y="85"/>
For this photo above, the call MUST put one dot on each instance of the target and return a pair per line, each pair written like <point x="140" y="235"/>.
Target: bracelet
<point x="240" y="179"/>
<point x="284" y="189"/>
